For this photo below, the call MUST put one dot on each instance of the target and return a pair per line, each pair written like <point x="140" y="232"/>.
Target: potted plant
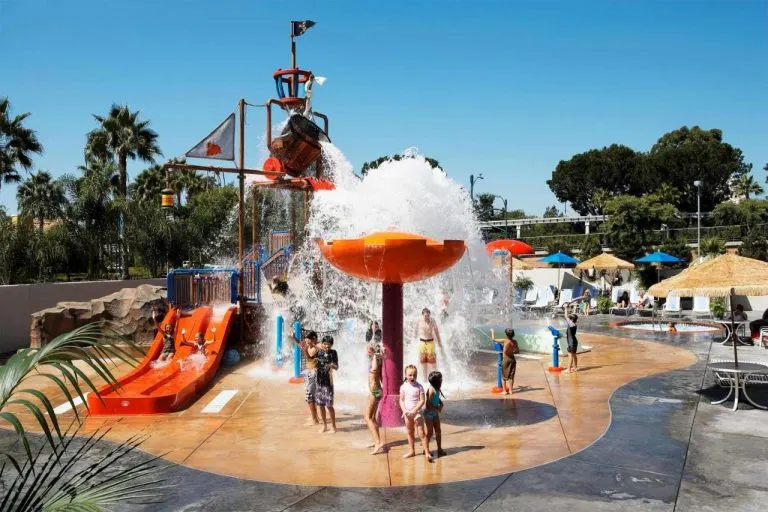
<point x="523" y="283"/>
<point x="717" y="307"/>
<point x="604" y="304"/>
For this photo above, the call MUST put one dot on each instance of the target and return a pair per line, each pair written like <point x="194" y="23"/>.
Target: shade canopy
<point x="659" y="257"/>
<point x="559" y="258"/>
<point x="716" y="277"/>
<point x="514" y="247"/>
<point x="605" y="261"/>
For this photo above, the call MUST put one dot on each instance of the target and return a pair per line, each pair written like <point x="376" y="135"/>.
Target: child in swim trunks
<point x="432" y="410"/>
<point x="411" y="403"/>
<point x="573" y="343"/>
<point x="374" y="396"/>
<point x="327" y="361"/>
<point x="508" y="362"/>
<point x="310" y="350"/>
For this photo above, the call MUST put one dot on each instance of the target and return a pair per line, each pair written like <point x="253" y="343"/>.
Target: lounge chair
<point x="530" y="298"/>
<point x="566" y="296"/>
<point x="544" y="301"/>
<point x="701" y="307"/>
<point x="618" y="309"/>
<point x="672" y="306"/>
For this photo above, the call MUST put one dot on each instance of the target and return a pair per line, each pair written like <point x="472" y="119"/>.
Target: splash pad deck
<point x="252" y="427"/>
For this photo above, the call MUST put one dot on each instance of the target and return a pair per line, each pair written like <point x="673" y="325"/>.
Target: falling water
<point x="406" y="195"/>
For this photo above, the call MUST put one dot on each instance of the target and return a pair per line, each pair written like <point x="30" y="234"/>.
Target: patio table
<point x="732" y="334"/>
<point x="739" y="380"/>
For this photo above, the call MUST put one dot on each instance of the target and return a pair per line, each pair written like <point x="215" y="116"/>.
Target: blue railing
<point x="200" y="287"/>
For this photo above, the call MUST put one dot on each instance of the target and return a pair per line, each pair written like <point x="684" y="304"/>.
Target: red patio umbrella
<point x="515" y="247"/>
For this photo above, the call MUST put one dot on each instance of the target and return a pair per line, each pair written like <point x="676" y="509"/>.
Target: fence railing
<point x="200" y="287"/>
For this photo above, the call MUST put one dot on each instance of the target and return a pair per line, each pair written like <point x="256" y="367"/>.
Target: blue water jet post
<point x="297" y="378"/>
<point x="555" y="350"/>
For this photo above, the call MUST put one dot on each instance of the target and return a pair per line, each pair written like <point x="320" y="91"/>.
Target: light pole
<point x="472" y="181"/>
<point x="506" y="221"/>
<point x="697" y="184"/>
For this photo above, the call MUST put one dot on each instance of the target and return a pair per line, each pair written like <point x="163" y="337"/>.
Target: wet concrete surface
<point x="667" y="448"/>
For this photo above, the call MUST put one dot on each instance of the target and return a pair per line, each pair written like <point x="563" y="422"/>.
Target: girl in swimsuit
<point x="411" y="403"/>
<point x="374" y="386"/>
<point x="434" y="407"/>
<point x="197" y="358"/>
<point x="169" y="348"/>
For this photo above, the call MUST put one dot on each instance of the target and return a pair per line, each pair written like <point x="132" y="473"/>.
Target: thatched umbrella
<point x="725" y="276"/>
<point x="516" y="263"/>
<point x="605" y="261"/>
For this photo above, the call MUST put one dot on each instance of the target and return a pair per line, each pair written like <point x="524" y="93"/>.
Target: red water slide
<point x="149" y="390"/>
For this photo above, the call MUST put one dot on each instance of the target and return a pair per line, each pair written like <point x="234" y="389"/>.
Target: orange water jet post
<point x="392" y="258"/>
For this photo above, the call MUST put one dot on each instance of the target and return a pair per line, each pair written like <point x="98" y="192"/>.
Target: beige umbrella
<point x="516" y="263"/>
<point x="605" y="261"/>
<point x="724" y="276"/>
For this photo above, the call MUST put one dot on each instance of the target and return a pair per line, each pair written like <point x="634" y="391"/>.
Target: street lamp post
<point x="697" y="184"/>
<point x="472" y="181"/>
<point x="506" y="220"/>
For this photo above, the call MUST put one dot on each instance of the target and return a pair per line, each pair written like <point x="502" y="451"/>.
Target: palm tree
<point x="746" y="185"/>
<point x="148" y="184"/>
<point x="17" y="143"/>
<point x="41" y="197"/>
<point x="120" y="136"/>
<point x="61" y="475"/>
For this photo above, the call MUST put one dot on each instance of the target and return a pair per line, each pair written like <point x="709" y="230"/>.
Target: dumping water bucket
<point x="299" y="144"/>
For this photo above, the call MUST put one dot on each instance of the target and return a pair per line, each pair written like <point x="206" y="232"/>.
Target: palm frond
<point x="91" y="345"/>
<point x="69" y="480"/>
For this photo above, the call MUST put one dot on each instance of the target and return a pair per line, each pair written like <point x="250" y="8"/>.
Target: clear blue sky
<point x="506" y="88"/>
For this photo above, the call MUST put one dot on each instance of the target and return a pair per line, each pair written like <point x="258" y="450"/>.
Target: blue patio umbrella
<point x="559" y="258"/>
<point x="659" y="258"/>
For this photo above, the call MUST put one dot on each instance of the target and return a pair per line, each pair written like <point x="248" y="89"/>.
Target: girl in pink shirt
<point x="412" y="400"/>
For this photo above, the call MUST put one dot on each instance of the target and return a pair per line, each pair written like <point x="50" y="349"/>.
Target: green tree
<point x="745" y="185"/>
<point x="754" y="245"/>
<point x="712" y="246"/>
<point x="632" y="221"/>
<point x="93" y="211"/>
<point x="590" y="247"/>
<point x="685" y="155"/>
<point x="148" y="185"/>
<point x="121" y="136"/>
<point x="374" y="164"/>
<point x="209" y="213"/>
<point x="612" y="170"/>
<point x="677" y="246"/>
<point x="41" y="197"/>
<point x="17" y="144"/>
<point x="484" y="207"/>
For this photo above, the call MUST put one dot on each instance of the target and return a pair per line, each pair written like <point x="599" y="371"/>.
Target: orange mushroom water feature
<point x="392" y="258"/>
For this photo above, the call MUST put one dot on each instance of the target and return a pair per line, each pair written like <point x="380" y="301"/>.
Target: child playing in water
<point x="327" y="361"/>
<point x="573" y="343"/>
<point x="169" y="347"/>
<point x="374" y="396"/>
<point x="432" y="410"/>
<point x="411" y="403"/>
<point x="197" y="358"/>
<point x="508" y="362"/>
<point x="310" y="350"/>
<point x="672" y="327"/>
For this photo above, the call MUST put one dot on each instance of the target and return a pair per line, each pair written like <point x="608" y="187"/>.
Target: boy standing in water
<point x="310" y="350"/>
<point x="508" y="362"/>
<point x="327" y="361"/>
<point x="573" y="343"/>
<point x="427" y="332"/>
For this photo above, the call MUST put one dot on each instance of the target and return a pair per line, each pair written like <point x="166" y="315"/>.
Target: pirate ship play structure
<point x="199" y="297"/>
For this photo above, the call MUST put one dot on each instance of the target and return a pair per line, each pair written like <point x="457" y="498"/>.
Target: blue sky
<point x="505" y="88"/>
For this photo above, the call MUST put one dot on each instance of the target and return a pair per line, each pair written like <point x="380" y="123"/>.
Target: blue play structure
<point x="555" y="349"/>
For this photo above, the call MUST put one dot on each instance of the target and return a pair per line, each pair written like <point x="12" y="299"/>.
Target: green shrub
<point x="604" y="304"/>
<point x="523" y="283"/>
<point x="717" y="307"/>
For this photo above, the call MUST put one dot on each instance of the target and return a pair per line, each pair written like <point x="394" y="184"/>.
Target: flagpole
<point x="241" y="223"/>
<point x="294" y="85"/>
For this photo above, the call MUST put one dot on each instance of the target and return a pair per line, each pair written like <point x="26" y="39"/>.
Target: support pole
<point x="241" y="224"/>
<point x="392" y="335"/>
<point x="279" y="340"/>
<point x="254" y="225"/>
<point x="297" y="378"/>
